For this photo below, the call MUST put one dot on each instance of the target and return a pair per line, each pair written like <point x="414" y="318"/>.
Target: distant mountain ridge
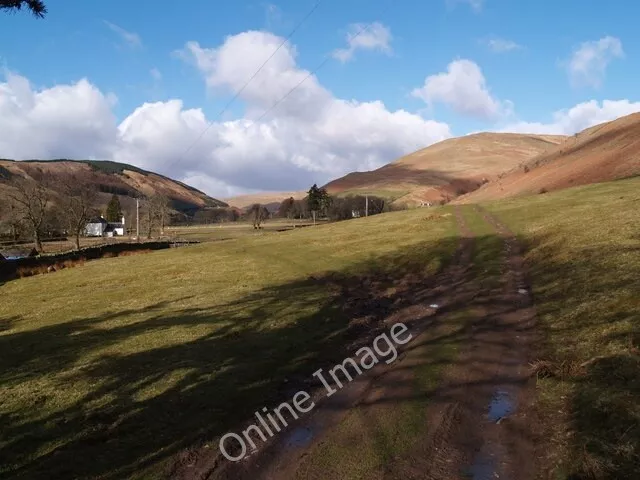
<point x="605" y="152"/>
<point x="447" y="169"/>
<point x="108" y="177"/>
<point x="271" y="200"/>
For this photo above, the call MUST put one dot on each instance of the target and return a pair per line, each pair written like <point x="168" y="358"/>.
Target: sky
<point x="182" y="88"/>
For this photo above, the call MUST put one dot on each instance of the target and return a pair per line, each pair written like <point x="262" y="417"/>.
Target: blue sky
<point x="518" y="64"/>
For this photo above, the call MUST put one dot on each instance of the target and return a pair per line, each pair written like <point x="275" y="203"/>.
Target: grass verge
<point x="584" y="258"/>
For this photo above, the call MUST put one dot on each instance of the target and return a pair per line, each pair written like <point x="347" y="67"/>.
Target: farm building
<point x="99" y="227"/>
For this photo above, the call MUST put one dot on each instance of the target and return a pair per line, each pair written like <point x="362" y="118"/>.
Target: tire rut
<point x="478" y="419"/>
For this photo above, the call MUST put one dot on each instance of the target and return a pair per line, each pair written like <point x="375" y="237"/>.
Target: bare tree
<point x="32" y="201"/>
<point x="12" y="218"/>
<point x="148" y="215"/>
<point x="155" y="213"/>
<point x="258" y="213"/>
<point x="78" y="206"/>
<point x="160" y="207"/>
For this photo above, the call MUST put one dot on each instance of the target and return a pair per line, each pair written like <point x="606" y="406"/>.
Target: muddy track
<point x="477" y="419"/>
<point x="478" y="422"/>
<point x="516" y="438"/>
<point x="281" y="458"/>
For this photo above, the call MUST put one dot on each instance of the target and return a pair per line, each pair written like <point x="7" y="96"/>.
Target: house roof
<point x="112" y="226"/>
<point x="97" y="220"/>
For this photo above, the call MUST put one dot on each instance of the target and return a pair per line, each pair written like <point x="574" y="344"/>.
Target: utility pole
<point x="137" y="219"/>
<point x="366" y="205"/>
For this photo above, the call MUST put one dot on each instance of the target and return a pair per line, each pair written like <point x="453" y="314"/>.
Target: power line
<point x="286" y="95"/>
<point x="246" y="84"/>
<point x="311" y="73"/>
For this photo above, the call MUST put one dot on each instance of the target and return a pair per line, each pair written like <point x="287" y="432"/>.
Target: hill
<point x="608" y="151"/>
<point x="446" y="169"/>
<point x="108" y="178"/>
<point x="271" y="200"/>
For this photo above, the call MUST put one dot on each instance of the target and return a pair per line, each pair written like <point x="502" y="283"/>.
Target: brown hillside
<point x="602" y="153"/>
<point x="108" y="178"/>
<point x="446" y="169"/>
<point x="270" y="199"/>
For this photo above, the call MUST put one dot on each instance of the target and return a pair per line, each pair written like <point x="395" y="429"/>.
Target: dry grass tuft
<point x="559" y="369"/>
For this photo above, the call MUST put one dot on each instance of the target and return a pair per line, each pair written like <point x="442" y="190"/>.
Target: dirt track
<point x="478" y="423"/>
<point x="477" y="418"/>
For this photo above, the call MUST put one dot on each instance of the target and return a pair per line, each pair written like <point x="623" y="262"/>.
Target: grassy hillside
<point x="135" y="358"/>
<point x="608" y="151"/>
<point x="107" y="178"/>
<point x="446" y="169"/>
<point x="271" y="199"/>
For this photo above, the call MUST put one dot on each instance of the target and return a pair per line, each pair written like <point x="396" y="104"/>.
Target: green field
<point x="230" y="230"/>
<point x="111" y="368"/>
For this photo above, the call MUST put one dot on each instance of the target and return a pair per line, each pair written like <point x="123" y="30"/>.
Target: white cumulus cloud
<point x="374" y="36"/>
<point x="577" y="118"/>
<point x="463" y="87"/>
<point x="65" y="121"/>
<point x="311" y="137"/>
<point x="589" y="62"/>
<point x="227" y="68"/>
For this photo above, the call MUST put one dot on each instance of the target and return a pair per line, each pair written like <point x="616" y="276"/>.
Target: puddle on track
<point x="483" y="468"/>
<point x="484" y="465"/>
<point x="300" y="437"/>
<point x="501" y="406"/>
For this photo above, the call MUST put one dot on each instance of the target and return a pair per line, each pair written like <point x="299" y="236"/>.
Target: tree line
<point x="317" y="204"/>
<point x="321" y="204"/>
<point x="32" y="210"/>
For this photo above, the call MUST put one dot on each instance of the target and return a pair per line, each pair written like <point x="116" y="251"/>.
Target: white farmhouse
<point x="99" y="227"/>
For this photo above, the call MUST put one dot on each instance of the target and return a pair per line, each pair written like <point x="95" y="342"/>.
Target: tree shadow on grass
<point x="138" y="409"/>
<point x="147" y="405"/>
